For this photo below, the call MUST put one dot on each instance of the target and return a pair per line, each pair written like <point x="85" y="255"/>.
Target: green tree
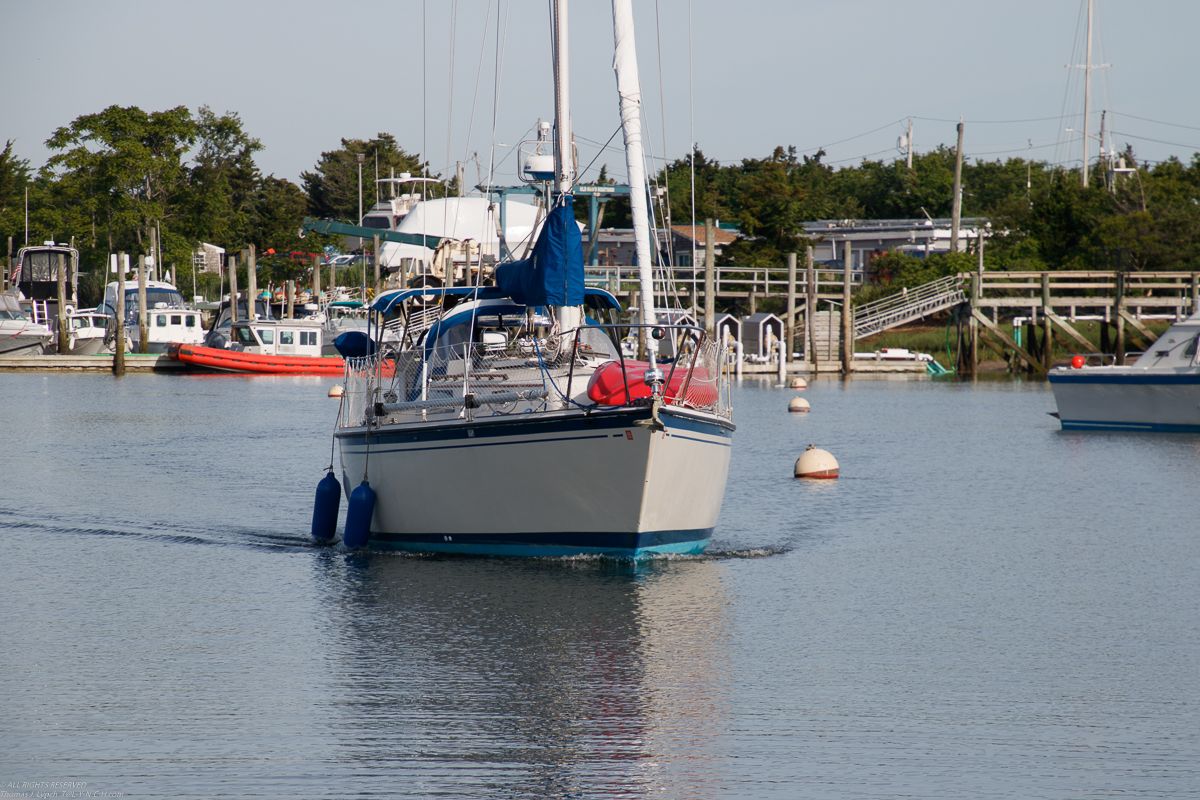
<point x="223" y="181"/>
<point x="14" y="177"/>
<point x="123" y="169"/>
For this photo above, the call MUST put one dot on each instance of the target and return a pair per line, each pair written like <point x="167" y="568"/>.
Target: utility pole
<point x="956" y="213"/>
<point x="908" y="161"/>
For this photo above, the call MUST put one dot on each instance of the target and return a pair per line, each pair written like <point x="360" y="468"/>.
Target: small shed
<point x="208" y="258"/>
<point x="668" y="348"/>
<point x="725" y="322"/>
<point x="759" y="332"/>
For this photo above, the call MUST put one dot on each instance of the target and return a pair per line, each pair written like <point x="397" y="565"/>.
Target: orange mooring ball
<point x="1077" y="362"/>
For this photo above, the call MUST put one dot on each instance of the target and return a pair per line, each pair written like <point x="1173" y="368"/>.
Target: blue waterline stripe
<point x="1146" y="427"/>
<point x="1129" y="379"/>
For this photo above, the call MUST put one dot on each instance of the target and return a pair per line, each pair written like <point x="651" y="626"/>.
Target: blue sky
<point x="750" y="75"/>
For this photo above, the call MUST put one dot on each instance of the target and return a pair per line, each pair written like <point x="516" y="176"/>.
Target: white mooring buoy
<point x="799" y="383"/>
<point x="816" y="463"/>
<point x="336" y="390"/>
<point x="798" y="404"/>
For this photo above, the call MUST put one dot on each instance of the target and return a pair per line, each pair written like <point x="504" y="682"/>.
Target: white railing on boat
<point x="527" y="374"/>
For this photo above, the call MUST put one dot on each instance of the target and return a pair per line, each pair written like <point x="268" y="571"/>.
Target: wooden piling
<point x="143" y="316"/>
<point x="233" y="290"/>
<point x="119" y="340"/>
<point x="1047" y="325"/>
<point x="710" y="295"/>
<point x="847" y="315"/>
<point x="810" y="307"/>
<point x="291" y="299"/>
<point x="251" y="282"/>
<point x="316" y="279"/>
<point x="64" y="345"/>
<point x="1119" y="319"/>
<point x="375" y="257"/>
<point x="790" y="337"/>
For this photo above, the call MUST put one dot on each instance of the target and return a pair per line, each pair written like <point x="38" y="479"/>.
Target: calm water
<point x="982" y="606"/>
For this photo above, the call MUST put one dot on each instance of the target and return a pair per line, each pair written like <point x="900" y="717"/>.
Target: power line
<point x="1155" y="121"/>
<point x="1157" y="141"/>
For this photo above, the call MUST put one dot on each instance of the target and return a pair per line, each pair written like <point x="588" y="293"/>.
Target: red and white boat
<point x="265" y="347"/>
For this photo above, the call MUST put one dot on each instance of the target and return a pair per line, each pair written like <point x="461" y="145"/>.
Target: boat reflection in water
<point x="539" y="679"/>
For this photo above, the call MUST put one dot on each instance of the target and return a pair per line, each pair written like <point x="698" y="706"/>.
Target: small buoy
<point x="1077" y="362"/>
<point x="325" y="508"/>
<point x="798" y="404"/>
<point x="358" y="516"/>
<point x="336" y="390"/>
<point x="816" y="463"/>
<point x="799" y="383"/>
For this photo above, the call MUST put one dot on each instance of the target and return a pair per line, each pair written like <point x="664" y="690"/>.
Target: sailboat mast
<point x="630" y="90"/>
<point x="562" y="102"/>
<point x="1087" y="94"/>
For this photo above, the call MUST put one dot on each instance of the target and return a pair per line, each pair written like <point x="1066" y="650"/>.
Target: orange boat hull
<point x="254" y="363"/>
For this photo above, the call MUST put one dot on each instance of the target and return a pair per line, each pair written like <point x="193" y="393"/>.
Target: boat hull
<point x="550" y="484"/>
<point x="255" y="363"/>
<point x="23" y="344"/>
<point x="1127" y="398"/>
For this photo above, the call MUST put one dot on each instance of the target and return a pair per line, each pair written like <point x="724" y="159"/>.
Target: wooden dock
<point x="134" y="362"/>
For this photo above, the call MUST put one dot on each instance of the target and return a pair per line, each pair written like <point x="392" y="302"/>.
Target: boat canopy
<point x="385" y="303"/>
<point x="553" y="275"/>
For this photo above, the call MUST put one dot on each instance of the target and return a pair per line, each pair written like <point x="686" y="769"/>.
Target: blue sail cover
<point x="553" y="275"/>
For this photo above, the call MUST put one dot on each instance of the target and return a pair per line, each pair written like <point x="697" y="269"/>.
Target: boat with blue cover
<point x="509" y="423"/>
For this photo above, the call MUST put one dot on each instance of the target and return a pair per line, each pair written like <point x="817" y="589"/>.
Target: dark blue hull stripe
<point x="580" y="542"/>
<point x="1127" y="379"/>
<point x="1156" y="427"/>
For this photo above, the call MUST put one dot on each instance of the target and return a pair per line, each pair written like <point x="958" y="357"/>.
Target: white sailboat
<point x="514" y="426"/>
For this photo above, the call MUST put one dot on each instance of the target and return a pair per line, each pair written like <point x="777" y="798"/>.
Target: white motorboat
<point x="514" y="426"/>
<point x="169" y="320"/>
<point x="18" y="335"/>
<point x="88" y="332"/>
<point x="1160" y="391"/>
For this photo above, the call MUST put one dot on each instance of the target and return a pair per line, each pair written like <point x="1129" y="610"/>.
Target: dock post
<point x="1118" y="320"/>
<point x="64" y="346"/>
<point x="1195" y="293"/>
<point x="790" y="337"/>
<point x="251" y="283"/>
<point x="143" y="318"/>
<point x="291" y="299"/>
<point x="119" y="340"/>
<point x="973" y="328"/>
<point x="710" y="299"/>
<point x="810" y="308"/>
<point x="233" y="292"/>
<point x="316" y="279"/>
<point x="847" y="315"/>
<point x="1047" y="325"/>
<point x="375" y="258"/>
